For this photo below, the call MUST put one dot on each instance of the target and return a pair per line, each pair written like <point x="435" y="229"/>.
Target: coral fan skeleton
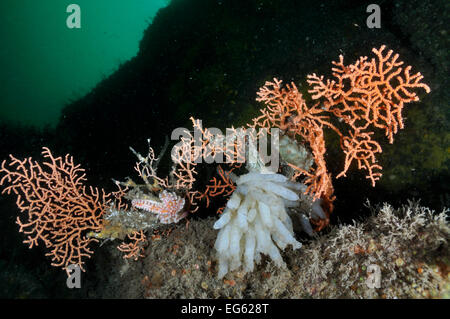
<point x="60" y="209"/>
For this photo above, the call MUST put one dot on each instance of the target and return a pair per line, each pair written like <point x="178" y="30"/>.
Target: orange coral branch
<point x="60" y="209"/>
<point x="362" y="148"/>
<point x="224" y="186"/>
<point x="189" y="151"/>
<point x="146" y="169"/>
<point x="134" y="249"/>
<point x="369" y="92"/>
<point x="287" y="110"/>
<point x="185" y="155"/>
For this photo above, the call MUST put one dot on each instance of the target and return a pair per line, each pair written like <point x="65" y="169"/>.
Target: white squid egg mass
<point x="255" y="222"/>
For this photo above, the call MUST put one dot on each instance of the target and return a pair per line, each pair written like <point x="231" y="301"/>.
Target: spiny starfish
<point x="167" y="208"/>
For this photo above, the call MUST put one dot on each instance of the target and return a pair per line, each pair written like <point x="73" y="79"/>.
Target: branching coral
<point x="369" y="92"/>
<point x="67" y="216"/>
<point x="60" y="209"/>
<point x="287" y="110"/>
<point x="366" y="94"/>
<point x="134" y="249"/>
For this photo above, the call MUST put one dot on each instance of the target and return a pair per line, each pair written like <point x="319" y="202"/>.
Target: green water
<point x="44" y="64"/>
